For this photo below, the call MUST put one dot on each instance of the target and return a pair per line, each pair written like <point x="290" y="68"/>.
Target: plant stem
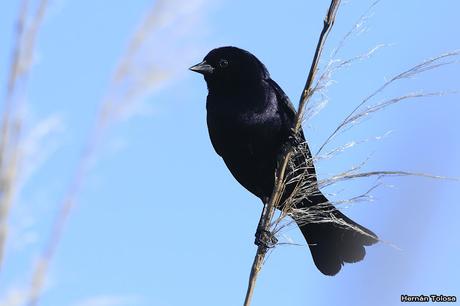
<point x="269" y="208"/>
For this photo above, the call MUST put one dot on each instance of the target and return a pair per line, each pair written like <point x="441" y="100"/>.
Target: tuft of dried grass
<point x="299" y="176"/>
<point x="302" y="179"/>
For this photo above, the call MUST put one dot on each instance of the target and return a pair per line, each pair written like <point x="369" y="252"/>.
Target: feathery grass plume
<point x="298" y="175"/>
<point x="358" y="113"/>
<point x="27" y="29"/>
<point x="302" y="180"/>
<point x="148" y="62"/>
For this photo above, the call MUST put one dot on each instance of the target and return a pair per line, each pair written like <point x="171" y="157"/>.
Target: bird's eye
<point x="223" y="63"/>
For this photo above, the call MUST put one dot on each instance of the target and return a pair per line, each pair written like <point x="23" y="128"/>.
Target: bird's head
<point x="230" y="69"/>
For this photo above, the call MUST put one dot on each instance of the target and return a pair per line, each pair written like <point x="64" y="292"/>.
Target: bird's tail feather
<point x="334" y="239"/>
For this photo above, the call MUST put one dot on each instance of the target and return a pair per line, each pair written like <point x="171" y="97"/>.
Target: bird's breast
<point x="249" y="143"/>
<point x="245" y="133"/>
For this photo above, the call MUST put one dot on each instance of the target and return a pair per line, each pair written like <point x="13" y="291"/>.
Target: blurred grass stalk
<point x="27" y="28"/>
<point x="140" y="70"/>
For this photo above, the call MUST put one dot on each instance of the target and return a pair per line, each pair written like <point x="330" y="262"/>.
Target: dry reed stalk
<point x="269" y="208"/>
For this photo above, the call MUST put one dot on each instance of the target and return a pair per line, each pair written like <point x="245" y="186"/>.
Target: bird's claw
<point x="265" y="238"/>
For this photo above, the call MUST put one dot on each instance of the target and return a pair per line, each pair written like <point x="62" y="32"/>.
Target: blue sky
<point x="160" y="220"/>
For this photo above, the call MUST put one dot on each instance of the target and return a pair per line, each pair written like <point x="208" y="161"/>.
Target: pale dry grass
<point x="138" y="72"/>
<point x="300" y="177"/>
<point x="142" y="68"/>
<point x="294" y="167"/>
<point x="154" y="55"/>
<point x="304" y="182"/>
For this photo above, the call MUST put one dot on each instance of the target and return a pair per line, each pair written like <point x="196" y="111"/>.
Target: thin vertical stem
<point x="269" y="209"/>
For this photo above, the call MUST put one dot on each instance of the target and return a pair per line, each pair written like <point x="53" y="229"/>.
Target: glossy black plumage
<point x="249" y="119"/>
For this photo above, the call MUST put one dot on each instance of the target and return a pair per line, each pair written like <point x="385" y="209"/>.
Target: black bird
<point x="250" y="119"/>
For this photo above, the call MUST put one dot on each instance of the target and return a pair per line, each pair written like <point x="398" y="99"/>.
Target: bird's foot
<point x="265" y="238"/>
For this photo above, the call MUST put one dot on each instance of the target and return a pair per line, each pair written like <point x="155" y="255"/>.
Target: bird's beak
<point x="203" y="68"/>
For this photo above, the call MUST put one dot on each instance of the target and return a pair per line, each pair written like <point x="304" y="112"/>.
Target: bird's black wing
<point x="286" y="108"/>
<point x="285" y="105"/>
